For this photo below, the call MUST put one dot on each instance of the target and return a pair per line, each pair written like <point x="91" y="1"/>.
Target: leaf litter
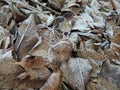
<point x="59" y="44"/>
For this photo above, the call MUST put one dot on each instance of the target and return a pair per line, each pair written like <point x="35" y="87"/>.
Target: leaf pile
<point x="59" y="45"/>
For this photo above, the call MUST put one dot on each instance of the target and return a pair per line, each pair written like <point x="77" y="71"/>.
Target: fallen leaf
<point x="77" y="73"/>
<point x="54" y="82"/>
<point x="35" y="71"/>
<point x="60" y="53"/>
<point x="23" y="44"/>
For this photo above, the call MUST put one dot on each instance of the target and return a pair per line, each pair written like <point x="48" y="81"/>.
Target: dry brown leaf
<point x="54" y="82"/>
<point x="42" y="48"/>
<point x="8" y="70"/>
<point x="5" y="43"/>
<point x="114" y="53"/>
<point x="116" y="38"/>
<point x="56" y="4"/>
<point x="35" y="67"/>
<point x="75" y="8"/>
<point x="60" y="53"/>
<point x="17" y="14"/>
<point x="5" y="15"/>
<point x="32" y="62"/>
<point x="102" y="84"/>
<point x="27" y="37"/>
<point x="65" y="26"/>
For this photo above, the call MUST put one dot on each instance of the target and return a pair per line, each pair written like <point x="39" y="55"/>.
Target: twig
<point x="46" y="7"/>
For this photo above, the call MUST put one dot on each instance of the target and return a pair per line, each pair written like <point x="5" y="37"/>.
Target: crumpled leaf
<point x="65" y="26"/>
<point x="35" y="71"/>
<point x="62" y="24"/>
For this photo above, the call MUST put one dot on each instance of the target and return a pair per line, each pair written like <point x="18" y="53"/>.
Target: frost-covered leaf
<point x="60" y="53"/>
<point x="116" y="5"/>
<point x="98" y="21"/>
<point x="95" y="4"/>
<point x="77" y="73"/>
<point x="41" y="49"/>
<point x="80" y="24"/>
<point x="54" y="82"/>
<point x="8" y="70"/>
<point x="102" y="84"/>
<point x="50" y="20"/>
<point x="26" y="35"/>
